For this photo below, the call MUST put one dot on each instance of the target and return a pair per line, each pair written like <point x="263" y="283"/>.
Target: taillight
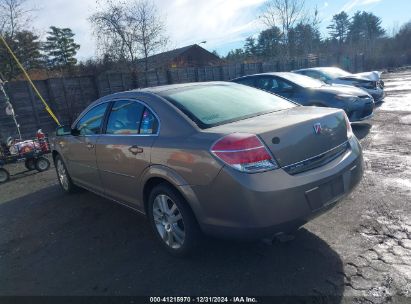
<point x="244" y="152"/>
<point x="348" y="124"/>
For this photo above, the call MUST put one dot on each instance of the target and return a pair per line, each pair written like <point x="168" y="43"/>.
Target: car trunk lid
<point x="296" y="134"/>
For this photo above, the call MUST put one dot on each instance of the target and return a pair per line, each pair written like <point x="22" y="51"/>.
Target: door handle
<point x="135" y="150"/>
<point x="90" y="146"/>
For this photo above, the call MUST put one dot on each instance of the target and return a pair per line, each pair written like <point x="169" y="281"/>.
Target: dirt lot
<point x="54" y="244"/>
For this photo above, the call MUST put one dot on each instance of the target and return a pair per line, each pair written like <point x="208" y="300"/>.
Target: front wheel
<point x="42" y="164"/>
<point x="173" y="221"/>
<point x="63" y="176"/>
<point x="4" y="175"/>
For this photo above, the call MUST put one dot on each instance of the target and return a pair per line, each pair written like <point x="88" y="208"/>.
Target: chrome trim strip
<point x="116" y="173"/>
<point x="316" y="156"/>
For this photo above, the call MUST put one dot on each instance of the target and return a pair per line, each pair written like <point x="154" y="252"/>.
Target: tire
<point x="30" y="164"/>
<point x="63" y="176"/>
<point x="42" y="164"/>
<point x="179" y="237"/>
<point x="4" y="175"/>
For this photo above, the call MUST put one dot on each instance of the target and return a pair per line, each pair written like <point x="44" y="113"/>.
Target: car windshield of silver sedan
<point x="212" y="105"/>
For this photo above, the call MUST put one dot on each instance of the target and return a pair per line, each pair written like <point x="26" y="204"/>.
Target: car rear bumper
<point x="260" y="205"/>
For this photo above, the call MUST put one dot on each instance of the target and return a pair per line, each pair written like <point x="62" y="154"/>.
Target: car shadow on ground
<point x="81" y="244"/>
<point x="361" y="129"/>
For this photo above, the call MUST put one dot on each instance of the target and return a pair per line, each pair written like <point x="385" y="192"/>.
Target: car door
<point x="123" y="151"/>
<point x="81" y="152"/>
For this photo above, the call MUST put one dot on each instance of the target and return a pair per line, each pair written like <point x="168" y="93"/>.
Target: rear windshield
<point x="217" y="104"/>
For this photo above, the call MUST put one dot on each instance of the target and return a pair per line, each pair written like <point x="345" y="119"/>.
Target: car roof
<point x="317" y="69"/>
<point x="279" y="74"/>
<point x="157" y="90"/>
<point x="163" y="88"/>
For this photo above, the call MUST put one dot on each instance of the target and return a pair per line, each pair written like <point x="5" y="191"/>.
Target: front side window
<point x="90" y="123"/>
<point x="131" y="117"/>
<point x="125" y="117"/>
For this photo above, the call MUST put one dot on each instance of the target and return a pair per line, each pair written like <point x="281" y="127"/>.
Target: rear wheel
<point x="63" y="176"/>
<point x="42" y="164"/>
<point x="30" y="164"/>
<point x="4" y="175"/>
<point x="173" y="221"/>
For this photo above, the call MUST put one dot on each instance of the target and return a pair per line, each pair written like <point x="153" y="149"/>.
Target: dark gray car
<point x="368" y="81"/>
<point x="216" y="158"/>
<point x="357" y="104"/>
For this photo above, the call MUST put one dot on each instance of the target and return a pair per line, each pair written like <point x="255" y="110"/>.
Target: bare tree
<point x="284" y="14"/>
<point x="129" y="30"/>
<point x="150" y="29"/>
<point x="15" y="15"/>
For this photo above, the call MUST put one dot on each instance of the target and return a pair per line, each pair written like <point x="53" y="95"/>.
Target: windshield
<point x="216" y="104"/>
<point x="334" y="72"/>
<point x="303" y="81"/>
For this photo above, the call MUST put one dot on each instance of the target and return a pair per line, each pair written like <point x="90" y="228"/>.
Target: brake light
<point x="349" y="128"/>
<point x="244" y="152"/>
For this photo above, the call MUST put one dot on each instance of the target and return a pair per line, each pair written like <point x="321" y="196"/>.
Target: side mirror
<point x="63" y="130"/>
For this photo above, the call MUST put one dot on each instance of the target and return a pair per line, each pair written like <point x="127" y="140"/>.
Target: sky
<point x="224" y="24"/>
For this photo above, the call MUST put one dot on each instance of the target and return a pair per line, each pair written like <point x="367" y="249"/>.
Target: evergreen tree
<point x="365" y="28"/>
<point x="303" y="39"/>
<point x="60" y="47"/>
<point x="250" y="47"/>
<point x="339" y="27"/>
<point x="26" y="47"/>
<point x="269" y="42"/>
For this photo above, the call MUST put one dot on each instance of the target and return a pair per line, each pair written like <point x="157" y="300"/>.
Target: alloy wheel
<point x="168" y="221"/>
<point x="62" y="175"/>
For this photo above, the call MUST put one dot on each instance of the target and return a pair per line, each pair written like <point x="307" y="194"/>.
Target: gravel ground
<point x="56" y="244"/>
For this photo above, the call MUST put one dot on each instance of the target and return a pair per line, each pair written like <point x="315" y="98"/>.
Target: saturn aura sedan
<point x="217" y="158"/>
<point x="357" y="104"/>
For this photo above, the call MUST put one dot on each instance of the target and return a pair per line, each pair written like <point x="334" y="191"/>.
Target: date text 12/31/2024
<point x="203" y="300"/>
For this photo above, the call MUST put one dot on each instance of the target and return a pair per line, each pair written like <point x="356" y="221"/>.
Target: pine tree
<point x="339" y="27"/>
<point x="60" y="47"/>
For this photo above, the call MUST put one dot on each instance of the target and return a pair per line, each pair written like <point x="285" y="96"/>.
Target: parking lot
<point x="82" y="244"/>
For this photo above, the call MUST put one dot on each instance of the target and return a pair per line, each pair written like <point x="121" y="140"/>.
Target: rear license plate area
<point x="325" y="194"/>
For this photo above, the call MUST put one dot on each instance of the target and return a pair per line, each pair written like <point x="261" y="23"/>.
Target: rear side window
<point x="216" y="104"/>
<point x="149" y="123"/>
<point x="268" y="84"/>
<point x="125" y="117"/>
<point x="90" y="123"/>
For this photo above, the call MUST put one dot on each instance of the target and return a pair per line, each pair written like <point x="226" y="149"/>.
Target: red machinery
<point x="31" y="152"/>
